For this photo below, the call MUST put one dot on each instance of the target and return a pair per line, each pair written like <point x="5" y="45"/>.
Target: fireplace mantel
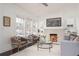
<point x="53" y="28"/>
<point x="58" y="31"/>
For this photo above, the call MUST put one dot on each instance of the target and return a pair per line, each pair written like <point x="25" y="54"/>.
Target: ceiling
<point x="39" y="9"/>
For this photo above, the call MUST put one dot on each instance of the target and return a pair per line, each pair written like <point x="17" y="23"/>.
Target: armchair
<point x="18" y="42"/>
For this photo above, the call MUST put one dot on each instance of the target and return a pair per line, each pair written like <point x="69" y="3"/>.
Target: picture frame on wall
<point x="53" y="22"/>
<point x="6" y="21"/>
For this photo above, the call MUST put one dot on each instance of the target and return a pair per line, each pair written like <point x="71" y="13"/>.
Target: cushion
<point x="76" y="39"/>
<point x="23" y="42"/>
<point x="72" y="37"/>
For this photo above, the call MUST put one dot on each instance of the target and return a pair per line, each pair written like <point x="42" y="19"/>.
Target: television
<point x="53" y="22"/>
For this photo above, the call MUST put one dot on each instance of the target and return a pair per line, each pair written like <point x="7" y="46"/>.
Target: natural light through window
<point x="20" y="26"/>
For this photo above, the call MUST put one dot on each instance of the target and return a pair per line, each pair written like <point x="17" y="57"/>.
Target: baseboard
<point x="15" y="50"/>
<point x="7" y="53"/>
<point x="12" y="51"/>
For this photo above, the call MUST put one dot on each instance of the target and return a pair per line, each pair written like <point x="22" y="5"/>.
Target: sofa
<point x="33" y="38"/>
<point x="18" y="42"/>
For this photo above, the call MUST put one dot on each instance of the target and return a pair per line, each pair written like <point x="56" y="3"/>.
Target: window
<point x="20" y="26"/>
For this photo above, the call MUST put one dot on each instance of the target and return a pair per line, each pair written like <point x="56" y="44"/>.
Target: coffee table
<point x="44" y="45"/>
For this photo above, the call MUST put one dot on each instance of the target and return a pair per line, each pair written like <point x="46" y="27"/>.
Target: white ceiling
<point x="39" y="9"/>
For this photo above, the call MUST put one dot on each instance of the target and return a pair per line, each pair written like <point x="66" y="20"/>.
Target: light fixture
<point x="45" y="4"/>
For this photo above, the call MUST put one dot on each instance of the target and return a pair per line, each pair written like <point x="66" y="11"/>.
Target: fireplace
<point x="53" y="37"/>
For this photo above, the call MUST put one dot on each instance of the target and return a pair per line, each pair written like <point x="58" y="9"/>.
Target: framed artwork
<point x="6" y="21"/>
<point x="53" y="22"/>
<point x="70" y="25"/>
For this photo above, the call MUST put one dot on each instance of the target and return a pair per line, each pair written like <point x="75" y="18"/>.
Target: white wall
<point x="69" y="15"/>
<point x="77" y="19"/>
<point x="12" y="11"/>
<point x="77" y="24"/>
<point x="6" y="32"/>
<point x="30" y="19"/>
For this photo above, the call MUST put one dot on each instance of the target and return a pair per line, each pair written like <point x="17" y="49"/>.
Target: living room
<point x="52" y="20"/>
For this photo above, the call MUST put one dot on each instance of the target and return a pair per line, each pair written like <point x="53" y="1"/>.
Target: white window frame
<point x="21" y="30"/>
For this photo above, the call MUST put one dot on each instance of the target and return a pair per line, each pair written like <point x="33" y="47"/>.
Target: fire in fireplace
<point x="53" y="37"/>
